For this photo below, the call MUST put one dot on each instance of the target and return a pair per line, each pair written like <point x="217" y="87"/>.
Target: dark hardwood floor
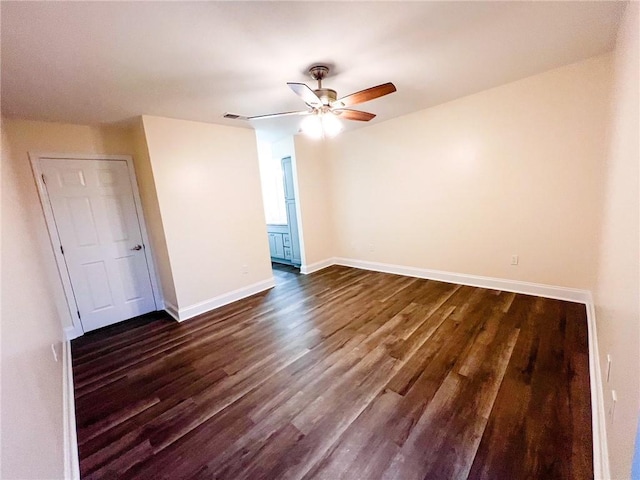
<point x="284" y="273"/>
<point x="341" y="374"/>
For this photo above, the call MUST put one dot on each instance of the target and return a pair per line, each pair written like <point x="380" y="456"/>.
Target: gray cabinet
<point x="276" y="245"/>
<point x="280" y="243"/>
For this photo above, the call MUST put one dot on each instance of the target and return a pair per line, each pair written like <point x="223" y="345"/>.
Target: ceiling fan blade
<point x="275" y="115"/>
<point x="364" y="95"/>
<point x="304" y="92"/>
<point x="354" y="114"/>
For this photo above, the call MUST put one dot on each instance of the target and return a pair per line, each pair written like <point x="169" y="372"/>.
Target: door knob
<point x="137" y="247"/>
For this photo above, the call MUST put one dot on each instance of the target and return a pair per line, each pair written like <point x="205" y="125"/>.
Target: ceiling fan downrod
<point x="326" y="95"/>
<point x="318" y="72"/>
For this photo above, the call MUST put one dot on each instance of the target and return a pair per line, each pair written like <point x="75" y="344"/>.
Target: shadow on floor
<point x="283" y="273"/>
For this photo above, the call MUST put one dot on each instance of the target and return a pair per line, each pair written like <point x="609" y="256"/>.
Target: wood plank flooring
<point x="345" y="374"/>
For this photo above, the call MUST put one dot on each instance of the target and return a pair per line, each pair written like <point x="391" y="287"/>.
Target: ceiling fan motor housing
<point x="326" y="95"/>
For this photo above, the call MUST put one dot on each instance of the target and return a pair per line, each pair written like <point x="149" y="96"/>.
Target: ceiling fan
<point x="323" y="101"/>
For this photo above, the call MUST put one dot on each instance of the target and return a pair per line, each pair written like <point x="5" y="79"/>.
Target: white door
<point x="97" y="222"/>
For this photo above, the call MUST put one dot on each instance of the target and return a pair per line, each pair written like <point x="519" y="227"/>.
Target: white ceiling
<point x="105" y="62"/>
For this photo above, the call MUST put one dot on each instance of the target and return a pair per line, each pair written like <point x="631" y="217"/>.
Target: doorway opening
<point x="281" y="210"/>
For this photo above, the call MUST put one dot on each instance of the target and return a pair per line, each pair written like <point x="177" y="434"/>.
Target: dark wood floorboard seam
<point x="341" y="374"/>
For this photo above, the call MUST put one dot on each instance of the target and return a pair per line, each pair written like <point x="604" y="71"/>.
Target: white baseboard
<point x="72" y="332"/>
<point x="71" y="461"/>
<point x="172" y="310"/>
<point x="600" y="448"/>
<point x="516" y="286"/>
<point x="182" y="314"/>
<point x="314" y="267"/>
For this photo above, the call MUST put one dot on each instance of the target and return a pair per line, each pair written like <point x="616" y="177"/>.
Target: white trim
<point x="314" y="267"/>
<point x="71" y="333"/>
<point x="71" y="461"/>
<point x="55" y="242"/>
<point x="600" y="448"/>
<point x="148" y="253"/>
<point x="76" y="329"/>
<point x="516" y="286"/>
<point x="298" y="199"/>
<point x="172" y="310"/>
<point x="224" y="299"/>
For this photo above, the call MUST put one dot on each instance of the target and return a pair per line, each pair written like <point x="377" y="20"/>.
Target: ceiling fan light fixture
<point x="312" y="126"/>
<point x="331" y="126"/>
<point x="321" y="125"/>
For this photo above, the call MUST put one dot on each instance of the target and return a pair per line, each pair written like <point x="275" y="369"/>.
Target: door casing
<point x="36" y="159"/>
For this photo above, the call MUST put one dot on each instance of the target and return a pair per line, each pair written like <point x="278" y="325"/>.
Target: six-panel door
<point x="98" y="226"/>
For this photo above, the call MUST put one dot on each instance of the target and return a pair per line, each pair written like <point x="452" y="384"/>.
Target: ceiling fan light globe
<point x="331" y="126"/>
<point x="312" y="126"/>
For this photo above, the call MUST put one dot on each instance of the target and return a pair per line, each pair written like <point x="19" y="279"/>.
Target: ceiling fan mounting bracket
<point x="318" y="72"/>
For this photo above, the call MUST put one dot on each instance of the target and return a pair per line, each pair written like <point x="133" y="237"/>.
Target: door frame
<point x="36" y="158"/>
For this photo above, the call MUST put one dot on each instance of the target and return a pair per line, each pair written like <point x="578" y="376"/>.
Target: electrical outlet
<point x="245" y="269"/>
<point x="514" y="259"/>
<point x="371" y="248"/>
<point x="608" y="367"/>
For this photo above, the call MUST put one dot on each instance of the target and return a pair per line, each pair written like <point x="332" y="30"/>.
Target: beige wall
<point x="617" y="290"/>
<point x="33" y="305"/>
<point x="316" y="208"/>
<point x="207" y="183"/>
<point x="462" y="186"/>
<point x="151" y="209"/>
<point x="264" y="160"/>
